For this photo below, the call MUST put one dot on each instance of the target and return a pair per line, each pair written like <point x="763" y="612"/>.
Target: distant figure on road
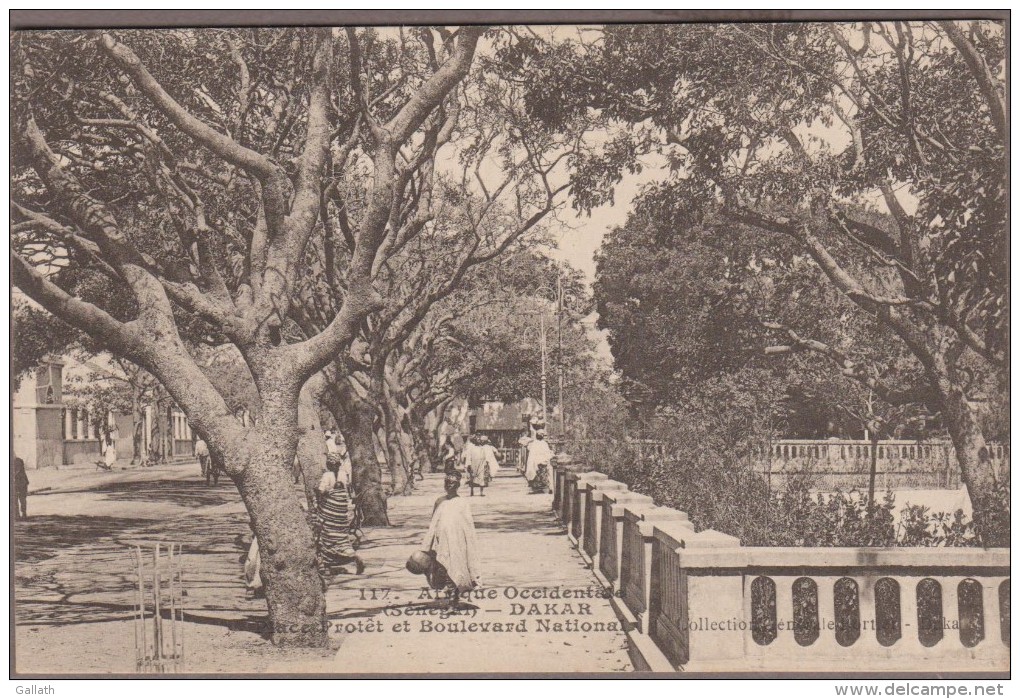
<point x="20" y="489"/>
<point x="110" y="448"/>
<point x="451" y="543"/>
<point x="337" y="458"/>
<point x="449" y="454"/>
<point x="202" y="452"/>
<point x="253" y="568"/>
<point x="214" y="470"/>
<point x="523" y="443"/>
<point x="479" y="463"/>
<point x="539" y="458"/>
<point x="491" y="456"/>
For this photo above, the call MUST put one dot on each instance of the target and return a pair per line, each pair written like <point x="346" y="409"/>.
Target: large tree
<point x="189" y="167"/>
<point x="794" y="129"/>
<point x="686" y="304"/>
<point x="494" y="186"/>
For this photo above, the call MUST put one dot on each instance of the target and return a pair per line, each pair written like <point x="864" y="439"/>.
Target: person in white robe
<point x="539" y="463"/>
<point x="480" y="463"/>
<point x="491" y="456"/>
<point x="253" y="569"/>
<point x="110" y="448"/>
<point x="523" y="443"/>
<point x="451" y="542"/>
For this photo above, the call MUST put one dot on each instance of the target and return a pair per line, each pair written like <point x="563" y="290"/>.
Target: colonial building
<point x="49" y="432"/>
<point x="38" y="414"/>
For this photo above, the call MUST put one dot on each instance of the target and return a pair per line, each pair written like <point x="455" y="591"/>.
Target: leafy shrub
<point x="699" y="463"/>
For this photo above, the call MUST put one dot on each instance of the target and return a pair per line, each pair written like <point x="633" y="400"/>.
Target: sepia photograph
<point x="504" y="344"/>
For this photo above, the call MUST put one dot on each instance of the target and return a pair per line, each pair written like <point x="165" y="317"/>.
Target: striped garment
<point x="334" y="540"/>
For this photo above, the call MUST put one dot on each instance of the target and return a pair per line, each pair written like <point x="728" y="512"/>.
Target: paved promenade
<point x="75" y="584"/>
<point x="522" y="620"/>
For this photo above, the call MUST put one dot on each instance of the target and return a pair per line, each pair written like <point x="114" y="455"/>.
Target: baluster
<point x="751" y="649"/>
<point x="867" y="643"/>
<point x="990" y="605"/>
<point x="826" y="643"/>
<point x="950" y="642"/>
<point x="909" y="627"/>
<point x="785" y="644"/>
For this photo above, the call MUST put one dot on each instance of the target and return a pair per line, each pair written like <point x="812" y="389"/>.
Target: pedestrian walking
<point x="333" y="536"/>
<point x="202" y="452"/>
<point x="449" y="454"/>
<point x="110" y="448"/>
<point x="539" y="459"/>
<point x="478" y="462"/>
<point x="20" y="489"/>
<point x="450" y="543"/>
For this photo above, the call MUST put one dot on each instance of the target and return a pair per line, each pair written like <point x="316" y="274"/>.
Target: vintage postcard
<point x="510" y="344"/>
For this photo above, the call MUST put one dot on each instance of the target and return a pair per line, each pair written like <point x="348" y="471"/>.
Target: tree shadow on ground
<point x="518" y="521"/>
<point x="381" y="538"/>
<point x="41" y="537"/>
<point x="182" y="493"/>
<point x="72" y="613"/>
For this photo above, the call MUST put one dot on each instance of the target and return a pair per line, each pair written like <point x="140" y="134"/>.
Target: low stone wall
<point x="701" y="602"/>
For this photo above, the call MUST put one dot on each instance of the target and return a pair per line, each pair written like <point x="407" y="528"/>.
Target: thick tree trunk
<point x="311" y="446"/>
<point x="440" y="412"/>
<point x="939" y="351"/>
<point x="156" y="435"/>
<point x="297" y="605"/>
<point x="409" y="453"/>
<point x="991" y="512"/>
<point x="400" y="483"/>
<point x="137" y="425"/>
<point x="168" y="434"/>
<point x="355" y="416"/>
<point x="421" y="444"/>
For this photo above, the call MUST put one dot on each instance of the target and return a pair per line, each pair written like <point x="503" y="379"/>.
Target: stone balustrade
<point x="701" y="602"/>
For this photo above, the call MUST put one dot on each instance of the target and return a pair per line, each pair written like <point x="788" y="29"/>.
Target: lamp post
<point x="545" y="405"/>
<point x="559" y="353"/>
<point x="545" y="292"/>
<point x="558" y="297"/>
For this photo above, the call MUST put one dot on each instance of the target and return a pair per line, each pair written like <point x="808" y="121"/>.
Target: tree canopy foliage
<point x="808" y="133"/>
<point x="201" y="175"/>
